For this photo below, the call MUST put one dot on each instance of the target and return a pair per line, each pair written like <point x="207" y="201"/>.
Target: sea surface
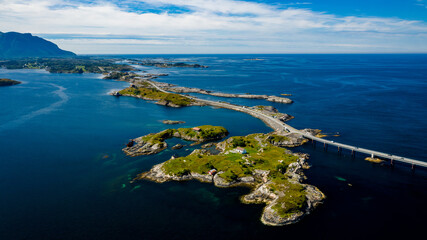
<point x="63" y="174"/>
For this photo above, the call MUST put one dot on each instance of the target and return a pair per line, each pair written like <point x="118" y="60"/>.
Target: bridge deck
<point x="280" y="126"/>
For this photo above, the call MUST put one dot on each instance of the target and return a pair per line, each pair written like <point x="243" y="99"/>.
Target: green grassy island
<point x="155" y="142"/>
<point x="274" y="173"/>
<point x="145" y="91"/>
<point x="8" y="82"/>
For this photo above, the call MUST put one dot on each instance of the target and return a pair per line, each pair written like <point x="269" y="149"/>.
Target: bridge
<point x="281" y="127"/>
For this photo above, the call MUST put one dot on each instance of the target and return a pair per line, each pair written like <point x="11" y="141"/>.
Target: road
<point x="281" y="127"/>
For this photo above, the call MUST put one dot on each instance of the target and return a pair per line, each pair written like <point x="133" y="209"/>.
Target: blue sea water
<point x="63" y="175"/>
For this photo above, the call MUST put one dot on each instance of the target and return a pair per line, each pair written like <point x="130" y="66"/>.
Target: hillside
<point x="18" y="45"/>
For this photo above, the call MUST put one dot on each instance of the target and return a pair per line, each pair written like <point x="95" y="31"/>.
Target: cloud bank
<point x="206" y="26"/>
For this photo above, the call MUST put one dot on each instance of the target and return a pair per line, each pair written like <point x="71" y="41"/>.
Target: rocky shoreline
<point x="286" y="196"/>
<point x="155" y="143"/>
<point x="260" y="185"/>
<point x="147" y="92"/>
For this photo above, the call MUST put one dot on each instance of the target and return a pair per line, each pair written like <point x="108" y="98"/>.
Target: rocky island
<point x="172" y="122"/>
<point x="154" y="143"/>
<point x="8" y="82"/>
<point x="148" y="92"/>
<point x="274" y="174"/>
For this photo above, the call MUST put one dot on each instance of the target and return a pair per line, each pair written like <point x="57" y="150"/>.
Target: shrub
<point x="238" y="142"/>
<point x="183" y="172"/>
<point x="282" y="167"/>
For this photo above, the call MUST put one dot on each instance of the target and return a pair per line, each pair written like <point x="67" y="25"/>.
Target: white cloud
<point x="421" y="3"/>
<point x="209" y="26"/>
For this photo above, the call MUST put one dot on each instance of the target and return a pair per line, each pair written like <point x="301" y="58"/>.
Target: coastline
<point x="265" y="188"/>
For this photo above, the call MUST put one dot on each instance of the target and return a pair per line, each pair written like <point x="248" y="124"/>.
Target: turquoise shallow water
<point x="63" y="175"/>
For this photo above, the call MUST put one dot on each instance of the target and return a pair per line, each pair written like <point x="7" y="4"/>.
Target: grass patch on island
<point x="236" y="165"/>
<point x="291" y="201"/>
<point x="153" y="94"/>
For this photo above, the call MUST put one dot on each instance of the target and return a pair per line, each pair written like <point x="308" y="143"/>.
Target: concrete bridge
<point x="282" y="127"/>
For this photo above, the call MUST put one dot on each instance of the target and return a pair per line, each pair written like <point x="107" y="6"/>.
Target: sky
<point x="222" y="26"/>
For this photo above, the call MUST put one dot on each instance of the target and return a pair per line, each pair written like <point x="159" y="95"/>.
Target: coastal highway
<point x="282" y="127"/>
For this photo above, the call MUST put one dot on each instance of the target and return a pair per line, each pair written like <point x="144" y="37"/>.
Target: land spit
<point x="177" y="89"/>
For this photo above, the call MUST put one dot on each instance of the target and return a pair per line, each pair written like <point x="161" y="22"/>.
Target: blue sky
<point x="222" y="26"/>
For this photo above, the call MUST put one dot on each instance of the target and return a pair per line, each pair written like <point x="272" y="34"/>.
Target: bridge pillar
<point x="353" y="153"/>
<point x="372" y="155"/>
<point x="391" y="162"/>
<point x="339" y="150"/>
<point x="413" y="168"/>
<point x="325" y="147"/>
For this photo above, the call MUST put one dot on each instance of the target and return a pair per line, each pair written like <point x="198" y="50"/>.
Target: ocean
<point x="63" y="174"/>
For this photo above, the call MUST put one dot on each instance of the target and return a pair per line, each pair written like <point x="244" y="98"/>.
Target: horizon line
<point x="331" y="53"/>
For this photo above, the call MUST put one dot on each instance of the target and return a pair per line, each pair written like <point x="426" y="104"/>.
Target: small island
<point x="155" y="142"/>
<point x="8" y="82"/>
<point x="148" y="92"/>
<point x="172" y="122"/>
<point x="274" y="174"/>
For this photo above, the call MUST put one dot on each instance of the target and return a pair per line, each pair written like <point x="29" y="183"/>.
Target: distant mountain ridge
<point x="20" y="45"/>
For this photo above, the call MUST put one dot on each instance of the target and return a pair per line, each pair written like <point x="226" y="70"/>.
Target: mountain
<point x="19" y="45"/>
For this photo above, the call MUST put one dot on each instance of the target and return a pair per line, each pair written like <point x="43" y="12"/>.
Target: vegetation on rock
<point x="123" y="76"/>
<point x="150" y="93"/>
<point x="8" y="82"/>
<point x="274" y="174"/>
<point x="155" y="142"/>
<point x="231" y="165"/>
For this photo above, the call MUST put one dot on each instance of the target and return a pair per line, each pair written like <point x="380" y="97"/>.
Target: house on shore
<point x="197" y="129"/>
<point x="241" y="150"/>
